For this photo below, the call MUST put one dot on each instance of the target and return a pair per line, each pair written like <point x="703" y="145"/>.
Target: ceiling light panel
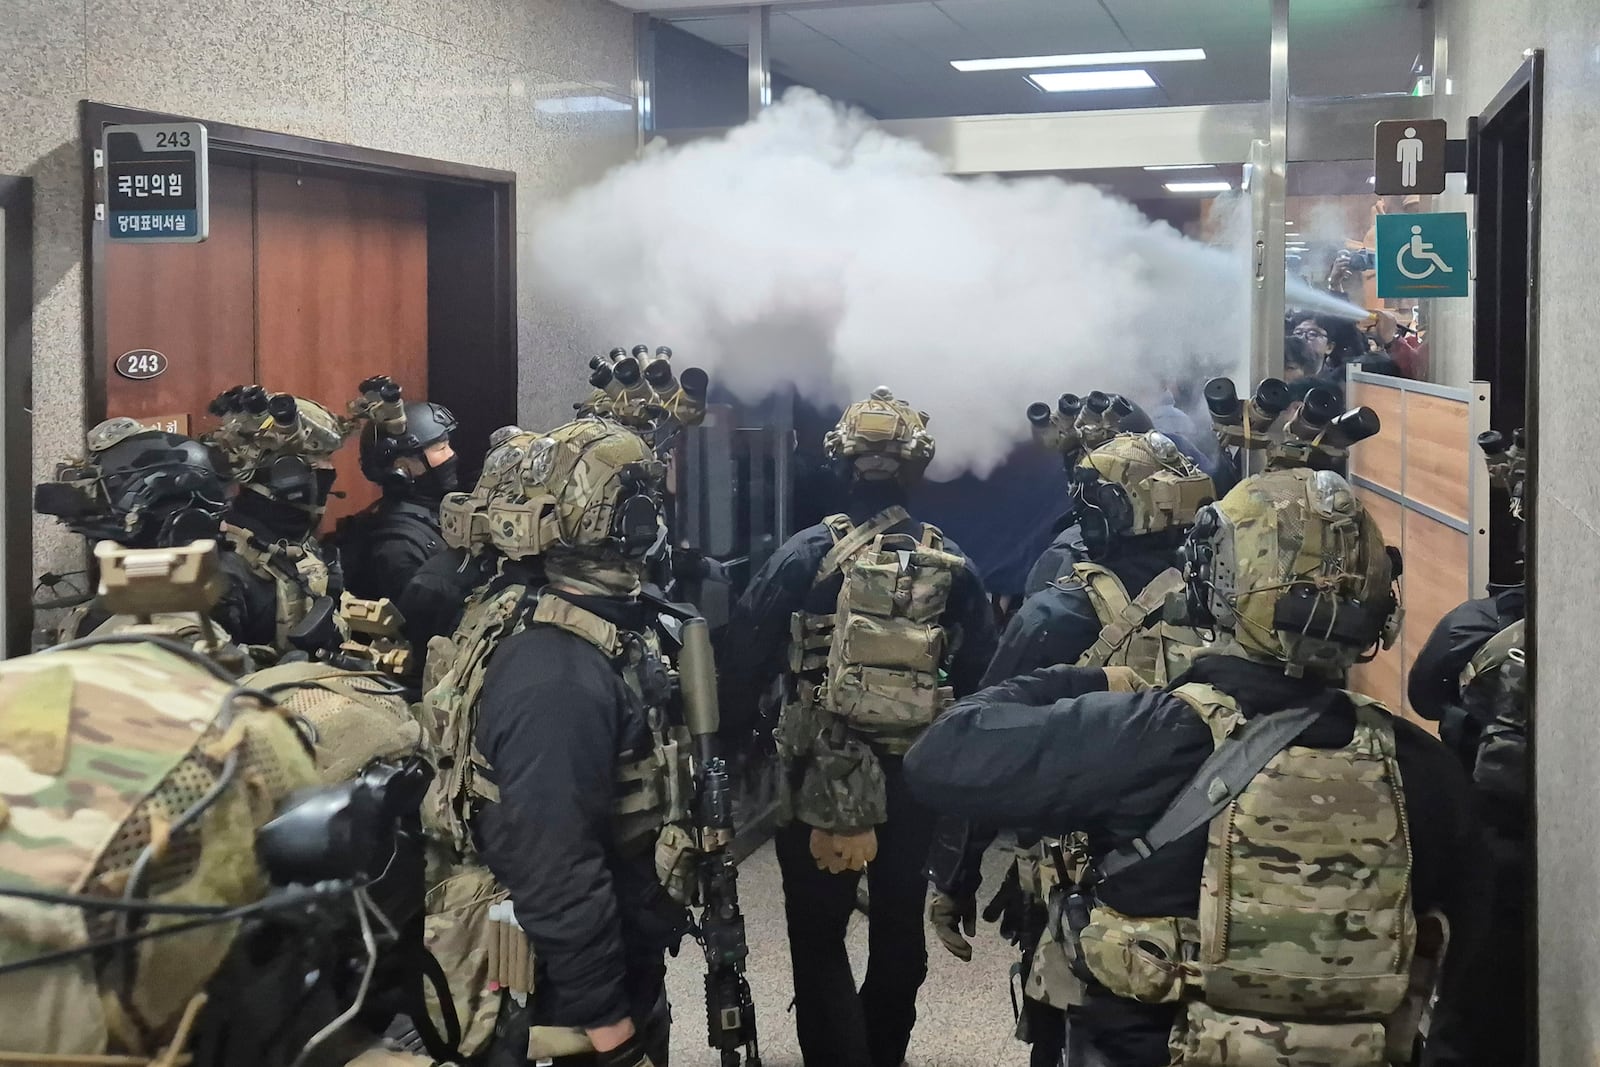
<point x="1079" y="59"/>
<point x="1088" y="81"/>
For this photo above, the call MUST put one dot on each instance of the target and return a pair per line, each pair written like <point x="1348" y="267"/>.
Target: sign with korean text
<point x="166" y="423"/>
<point x="156" y="182"/>
<point x="1423" y="255"/>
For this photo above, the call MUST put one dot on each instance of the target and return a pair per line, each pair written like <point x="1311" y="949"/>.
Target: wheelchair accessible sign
<point x="1422" y="255"/>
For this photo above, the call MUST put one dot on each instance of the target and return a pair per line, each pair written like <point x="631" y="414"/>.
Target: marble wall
<point x="1487" y="38"/>
<point x="470" y="81"/>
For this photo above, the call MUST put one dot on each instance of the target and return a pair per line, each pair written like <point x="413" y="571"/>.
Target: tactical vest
<point x="298" y="573"/>
<point x="876" y="663"/>
<point x="470" y="926"/>
<point x="1303" y="947"/>
<point x="1494" y="692"/>
<point x="1156" y="652"/>
<point x="869" y="676"/>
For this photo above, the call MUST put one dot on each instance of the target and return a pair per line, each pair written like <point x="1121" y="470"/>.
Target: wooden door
<point x="341" y="294"/>
<point x="193" y="303"/>
<point x="306" y="285"/>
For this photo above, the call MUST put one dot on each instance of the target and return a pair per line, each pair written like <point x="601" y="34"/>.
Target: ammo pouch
<point x="676" y="853"/>
<point x="1140" y="959"/>
<point x="841" y="787"/>
<point x="1208" y="1037"/>
<point x="470" y="930"/>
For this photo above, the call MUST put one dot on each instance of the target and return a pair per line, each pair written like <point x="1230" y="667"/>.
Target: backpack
<point x="886" y="647"/>
<point x="1304" y="943"/>
<point x="1494" y="692"/>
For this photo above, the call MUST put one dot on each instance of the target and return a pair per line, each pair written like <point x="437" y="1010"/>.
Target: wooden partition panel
<point x="1425" y="484"/>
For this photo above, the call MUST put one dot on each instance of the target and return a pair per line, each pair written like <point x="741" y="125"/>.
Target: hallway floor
<point x="964" y="1012"/>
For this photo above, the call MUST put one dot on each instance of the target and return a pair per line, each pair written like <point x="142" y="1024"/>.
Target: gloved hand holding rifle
<point x="730" y="1011"/>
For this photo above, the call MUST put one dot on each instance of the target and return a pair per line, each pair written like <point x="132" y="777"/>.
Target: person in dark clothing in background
<point x="1470" y="677"/>
<point x="842" y="731"/>
<point x="566" y="771"/>
<point x="1078" y="747"/>
<point x="383" y="547"/>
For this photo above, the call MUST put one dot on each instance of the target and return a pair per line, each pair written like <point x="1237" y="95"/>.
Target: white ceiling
<point x="893" y="56"/>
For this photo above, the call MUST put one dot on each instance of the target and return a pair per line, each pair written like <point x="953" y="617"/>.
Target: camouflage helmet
<point x="119" y="742"/>
<point x="590" y="485"/>
<point x="1296" y="569"/>
<point x="280" y="446"/>
<point x="1134" y="485"/>
<point x="464" y="517"/>
<point x="882" y="436"/>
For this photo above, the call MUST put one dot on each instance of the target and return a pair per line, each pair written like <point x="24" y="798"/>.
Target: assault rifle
<point x="730" y="1011"/>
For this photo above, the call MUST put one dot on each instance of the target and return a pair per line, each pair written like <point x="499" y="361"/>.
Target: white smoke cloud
<point x="809" y="248"/>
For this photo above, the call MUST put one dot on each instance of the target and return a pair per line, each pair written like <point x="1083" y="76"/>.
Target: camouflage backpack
<point x="355" y="718"/>
<point x="869" y="675"/>
<point x="1156" y="651"/>
<point x="1305" y="939"/>
<point x="102" y="750"/>
<point x="295" y="594"/>
<point x="1494" y="691"/>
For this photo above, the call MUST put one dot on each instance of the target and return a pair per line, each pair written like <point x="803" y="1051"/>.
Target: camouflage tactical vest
<point x="1304" y="942"/>
<point x="869" y="676"/>
<point x="470" y="926"/>
<point x="1157" y="652"/>
<point x="876" y="664"/>
<point x="297" y="571"/>
<point x="1494" y="692"/>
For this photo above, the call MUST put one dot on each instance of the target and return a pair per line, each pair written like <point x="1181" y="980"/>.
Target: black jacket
<point x="1058" y="623"/>
<point x="1065" y="550"/>
<point x="383" y="547"/>
<point x="1434" y="685"/>
<point x="434" y="599"/>
<point x="755" y="643"/>
<point x="554" y="720"/>
<point x="1053" y="751"/>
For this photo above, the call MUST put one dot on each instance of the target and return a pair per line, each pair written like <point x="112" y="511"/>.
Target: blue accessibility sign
<point x="1422" y="255"/>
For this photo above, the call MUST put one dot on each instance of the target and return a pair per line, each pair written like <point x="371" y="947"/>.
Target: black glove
<point x="1008" y="906"/>
<point x="631" y="1053"/>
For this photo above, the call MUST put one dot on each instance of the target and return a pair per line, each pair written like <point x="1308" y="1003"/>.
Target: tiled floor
<point x="964" y="1012"/>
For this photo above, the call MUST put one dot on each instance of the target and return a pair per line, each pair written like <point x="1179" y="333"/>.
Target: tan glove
<point x="1124" y="680"/>
<point x="949" y="916"/>
<point x="839" y="852"/>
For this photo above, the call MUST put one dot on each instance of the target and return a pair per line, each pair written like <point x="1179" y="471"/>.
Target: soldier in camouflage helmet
<point x="281" y="448"/>
<point x="1287" y="932"/>
<point x="871" y="622"/>
<point x="546" y="708"/>
<point x="1471" y="678"/>
<point x="1133" y="497"/>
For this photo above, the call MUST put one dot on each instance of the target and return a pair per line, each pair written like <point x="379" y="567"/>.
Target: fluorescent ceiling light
<point x="1087" y="81"/>
<point x="1079" y="59"/>
<point x="1184" y="166"/>
<point x="1198" y="187"/>
<point x="566" y="105"/>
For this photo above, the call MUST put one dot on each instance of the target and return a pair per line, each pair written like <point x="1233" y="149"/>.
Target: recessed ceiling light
<point x="1080" y="59"/>
<point x="1184" y="166"/>
<point x="1198" y="187"/>
<point x="1088" y="81"/>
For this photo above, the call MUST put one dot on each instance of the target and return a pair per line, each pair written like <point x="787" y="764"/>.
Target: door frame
<point x="479" y="374"/>
<point x="16" y="393"/>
